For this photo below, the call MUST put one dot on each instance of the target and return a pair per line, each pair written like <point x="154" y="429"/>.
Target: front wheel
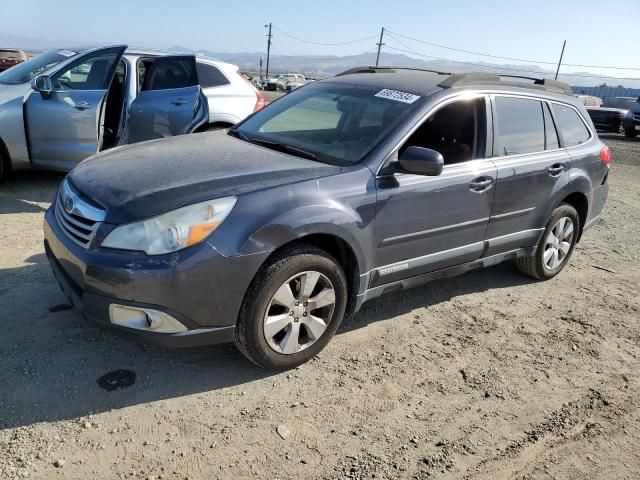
<point x="555" y="247"/>
<point x="292" y="308"/>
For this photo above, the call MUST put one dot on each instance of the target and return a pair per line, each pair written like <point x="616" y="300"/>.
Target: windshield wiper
<point x="281" y="147"/>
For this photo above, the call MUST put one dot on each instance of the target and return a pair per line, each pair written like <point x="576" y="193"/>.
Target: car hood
<point x="142" y="180"/>
<point x="11" y="92"/>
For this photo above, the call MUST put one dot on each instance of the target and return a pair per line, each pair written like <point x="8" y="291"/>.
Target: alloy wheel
<point x="299" y="312"/>
<point x="558" y="243"/>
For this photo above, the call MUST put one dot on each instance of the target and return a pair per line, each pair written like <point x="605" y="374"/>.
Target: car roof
<point x="425" y="82"/>
<point x="412" y="81"/>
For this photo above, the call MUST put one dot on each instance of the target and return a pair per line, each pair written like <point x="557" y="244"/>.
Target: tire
<point x="541" y="266"/>
<point x="295" y="343"/>
<point x="214" y="127"/>
<point x="5" y="167"/>
<point x="629" y="133"/>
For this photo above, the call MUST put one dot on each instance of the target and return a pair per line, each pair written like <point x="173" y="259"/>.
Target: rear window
<point x="210" y="76"/>
<point x="574" y="131"/>
<point x="13" y="54"/>
<point x="520" y="126"/>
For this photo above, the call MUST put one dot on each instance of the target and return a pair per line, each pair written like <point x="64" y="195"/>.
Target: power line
<point x="323" y="44"/>
<point x="543" y="62"/>
<point x="495" y="67"/>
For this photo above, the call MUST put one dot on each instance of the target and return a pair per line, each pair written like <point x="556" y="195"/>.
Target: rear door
<point x="531" y="167"/>
<point x="170" y="101"/>
<point x="65" y="127"/>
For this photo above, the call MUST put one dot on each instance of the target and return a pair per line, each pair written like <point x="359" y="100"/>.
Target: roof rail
<point x="373" y="69"/>
<point x="466" y="79"/>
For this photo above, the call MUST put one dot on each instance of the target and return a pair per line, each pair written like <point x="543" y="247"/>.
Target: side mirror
<point x="421" y="161"/>
<point x="42" y="83"/>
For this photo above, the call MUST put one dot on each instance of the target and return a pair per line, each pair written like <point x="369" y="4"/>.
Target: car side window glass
<point x="550" y="133"/>
<point x="210" y="76"/>
<point x="89" y="74"/>
<point x="457" y="131"/>
<point x="519" y="126"/>
<point x="170" y="73"/>
<point x="574" y="131"/>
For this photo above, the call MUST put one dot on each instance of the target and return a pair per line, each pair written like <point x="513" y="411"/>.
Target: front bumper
<point x="199" y="287"/>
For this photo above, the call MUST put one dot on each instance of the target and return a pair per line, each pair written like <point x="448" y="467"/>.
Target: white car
<point x="286" y="82"/>
<point x="231" y="96"/>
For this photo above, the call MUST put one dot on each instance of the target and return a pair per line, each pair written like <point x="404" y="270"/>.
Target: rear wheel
<point x="292" y="308"/>
<point x="555" y="247"/>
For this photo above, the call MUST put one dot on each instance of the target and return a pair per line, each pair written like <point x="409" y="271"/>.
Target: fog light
<point x="144" y="319"/>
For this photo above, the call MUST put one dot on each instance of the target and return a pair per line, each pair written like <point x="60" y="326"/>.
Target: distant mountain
<point x="318" y="66"/>
<point x="329" y="65"/>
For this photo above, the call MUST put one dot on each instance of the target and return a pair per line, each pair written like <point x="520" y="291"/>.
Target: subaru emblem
<point x="68" y="204"/>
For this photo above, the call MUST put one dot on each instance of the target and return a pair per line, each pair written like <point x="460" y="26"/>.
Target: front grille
<point x="77" y="218"/>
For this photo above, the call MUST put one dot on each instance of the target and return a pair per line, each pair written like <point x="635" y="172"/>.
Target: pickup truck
<point x="10" y="57"/>
<point x="617" y="115"/>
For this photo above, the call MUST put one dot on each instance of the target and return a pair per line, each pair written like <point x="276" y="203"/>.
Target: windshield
<point x="25" y="71"/>
<point x="333" y="123"/>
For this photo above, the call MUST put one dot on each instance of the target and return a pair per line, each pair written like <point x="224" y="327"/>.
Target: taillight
<point x="259" y="101"/>
<point x="259" y="97"/>
<point x="605" y="155"/>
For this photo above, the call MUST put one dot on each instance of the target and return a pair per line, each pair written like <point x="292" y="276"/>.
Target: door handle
<point x="82" y="105"/>
<point x="178" y="102"/>
<point x="481" y="184"/>
<point x="556" y="169"/>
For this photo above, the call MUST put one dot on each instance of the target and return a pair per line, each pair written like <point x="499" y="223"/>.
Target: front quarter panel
<point x="12" y="122"/>
<point x="341" y="205"/>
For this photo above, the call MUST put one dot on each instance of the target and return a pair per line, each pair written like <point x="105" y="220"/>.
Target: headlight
<point x="173" y="230"/>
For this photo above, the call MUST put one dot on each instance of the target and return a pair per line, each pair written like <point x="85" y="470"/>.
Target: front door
<point x="426" y="223"/>
<point x="65" y="127"/>
<point x="170" y="101"/>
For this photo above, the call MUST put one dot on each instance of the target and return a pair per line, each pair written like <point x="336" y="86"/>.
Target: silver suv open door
<point x="170" y="101"/>
<point x="64" y="122"/>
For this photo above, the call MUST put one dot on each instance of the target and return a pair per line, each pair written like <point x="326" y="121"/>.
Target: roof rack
<point x="466" y="79"/>
<point x="373" y="69"/>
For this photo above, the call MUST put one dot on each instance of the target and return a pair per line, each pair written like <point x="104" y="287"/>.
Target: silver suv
<point x="60" y="107"/>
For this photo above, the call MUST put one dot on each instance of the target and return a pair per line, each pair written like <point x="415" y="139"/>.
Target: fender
<point x="12" y="127"/>
<point x="575" y="182"/>
<point x="264" y="221"/>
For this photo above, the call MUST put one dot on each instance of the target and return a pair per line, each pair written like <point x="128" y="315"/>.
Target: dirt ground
<point x="486" y="376"/>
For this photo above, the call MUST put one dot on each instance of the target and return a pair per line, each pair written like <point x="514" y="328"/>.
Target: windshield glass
<point x="25" y="71"/>
<point x="335" y="123"/>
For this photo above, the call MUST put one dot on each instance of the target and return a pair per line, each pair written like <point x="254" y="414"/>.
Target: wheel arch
<point x="340" y="249"/>
<point x="5" y="158"/>
<point x="580" y="202"/>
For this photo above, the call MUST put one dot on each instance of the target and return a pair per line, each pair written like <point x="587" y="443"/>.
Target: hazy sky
<point x="597" y="33"/>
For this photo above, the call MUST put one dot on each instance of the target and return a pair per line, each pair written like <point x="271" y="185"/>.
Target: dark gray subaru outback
<point x="372" y="181"/>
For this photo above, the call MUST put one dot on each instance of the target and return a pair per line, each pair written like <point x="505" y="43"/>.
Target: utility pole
<point x="260" y="68"/>
<point x="268" y="48"/>
<point x="380" y="44"/>
<point x="560" y="61"/>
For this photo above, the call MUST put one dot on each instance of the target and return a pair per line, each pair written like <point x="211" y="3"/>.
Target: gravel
<point x="489" y="375"/>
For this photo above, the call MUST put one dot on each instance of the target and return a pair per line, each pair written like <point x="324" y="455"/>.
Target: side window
<point x="550" y="133"/>
<point x="87" y="74"/>
<point x="316" y="113"/>
<point x="170" y="72"/>
<point x="458" y="131"/>
<point x="210" y="76"/>
<point x="574" y="131"/>
<point x="520" y="127"/>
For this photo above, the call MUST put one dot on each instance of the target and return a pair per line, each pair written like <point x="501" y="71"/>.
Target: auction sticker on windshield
<point x="398" y="96"/>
